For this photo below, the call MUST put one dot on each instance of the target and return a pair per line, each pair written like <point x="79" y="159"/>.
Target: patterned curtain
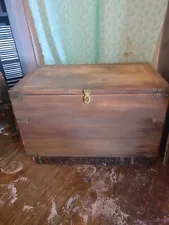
<point x="98" y="31"/>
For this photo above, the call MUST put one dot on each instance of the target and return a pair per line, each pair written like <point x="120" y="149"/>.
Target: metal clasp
<point x="87" y="97"/>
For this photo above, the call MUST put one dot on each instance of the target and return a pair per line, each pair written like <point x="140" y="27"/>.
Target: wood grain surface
<point x="79" y="194"/>
<point x="100" y="78"/>
<point x="111" y="125"/>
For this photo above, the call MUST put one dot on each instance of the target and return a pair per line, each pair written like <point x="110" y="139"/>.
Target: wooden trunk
<point x="91" y="110"/>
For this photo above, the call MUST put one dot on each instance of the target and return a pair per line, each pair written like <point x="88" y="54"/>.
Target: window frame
<point x="25" y="35"/>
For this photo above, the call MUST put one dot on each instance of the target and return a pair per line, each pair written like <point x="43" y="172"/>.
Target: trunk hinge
<point x="16" y="95"/>
<point x="23" y="121"/>
<point x="161" y="94"/>
<point x="158" y="120"/>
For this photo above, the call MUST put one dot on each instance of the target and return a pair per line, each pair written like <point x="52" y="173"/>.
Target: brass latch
<point x="86" y="97"/>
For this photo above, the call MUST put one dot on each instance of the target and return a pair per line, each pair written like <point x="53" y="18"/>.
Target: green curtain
<point x="97" y="31"/>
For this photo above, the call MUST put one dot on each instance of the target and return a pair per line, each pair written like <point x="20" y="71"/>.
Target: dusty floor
<point x="79" y="194"/>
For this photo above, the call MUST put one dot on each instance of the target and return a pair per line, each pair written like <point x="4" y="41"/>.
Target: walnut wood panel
<point x="103" y="78"/>
<point x="110" y="125"/>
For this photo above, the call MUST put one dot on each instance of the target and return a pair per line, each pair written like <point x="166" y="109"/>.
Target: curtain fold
<point x="97" y="31"/>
